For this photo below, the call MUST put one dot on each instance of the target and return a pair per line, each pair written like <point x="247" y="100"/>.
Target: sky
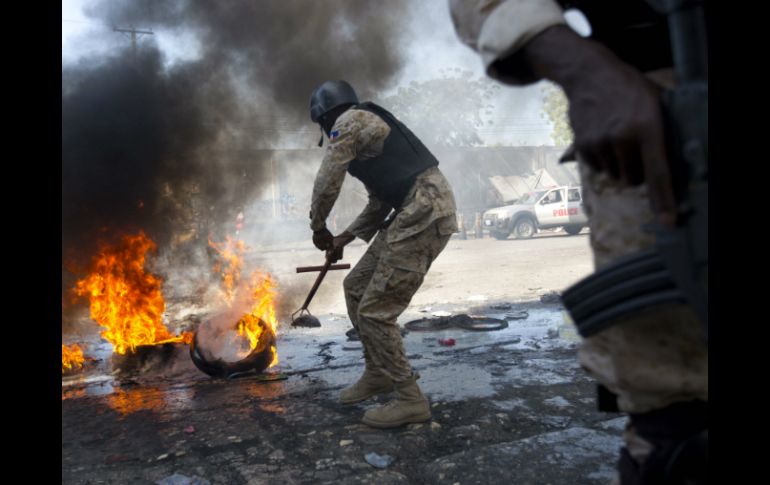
<point x="433" y="47"/>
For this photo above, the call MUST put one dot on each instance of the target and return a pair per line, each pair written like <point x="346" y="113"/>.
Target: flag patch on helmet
<point x="334" y="134"/>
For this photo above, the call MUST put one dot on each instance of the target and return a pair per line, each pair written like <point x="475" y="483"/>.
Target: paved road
<point x="510" y="406"/>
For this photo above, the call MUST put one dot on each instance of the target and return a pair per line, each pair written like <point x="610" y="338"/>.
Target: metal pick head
<point x="305" y="319"/>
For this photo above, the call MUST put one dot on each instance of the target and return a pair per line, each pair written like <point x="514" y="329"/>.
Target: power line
<point x="82" y="22"/>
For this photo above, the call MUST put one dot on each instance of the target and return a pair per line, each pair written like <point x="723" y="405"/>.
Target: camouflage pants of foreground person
<point x="380" y="288"/>
<point x="654" y="359"/>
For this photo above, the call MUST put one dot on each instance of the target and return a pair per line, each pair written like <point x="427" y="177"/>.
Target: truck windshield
<point x="531" y="197"/>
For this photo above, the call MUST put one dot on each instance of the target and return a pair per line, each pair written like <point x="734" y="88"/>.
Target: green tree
<point x="446" y="111"/>
<point x="555" y="107"/>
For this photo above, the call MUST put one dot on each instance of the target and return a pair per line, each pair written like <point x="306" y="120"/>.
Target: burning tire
<point x="256" y="361"/>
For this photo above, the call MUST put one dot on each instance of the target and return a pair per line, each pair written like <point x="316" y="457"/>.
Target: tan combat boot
<point x="370" y="384"/>
<point x="409" y="406"/>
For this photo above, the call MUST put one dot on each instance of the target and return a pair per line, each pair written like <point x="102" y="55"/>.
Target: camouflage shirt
<point x="360" y="135"/>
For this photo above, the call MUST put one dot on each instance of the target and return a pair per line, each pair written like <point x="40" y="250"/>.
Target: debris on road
<point x="378" y="461"/>
<point x="179" y="479"/>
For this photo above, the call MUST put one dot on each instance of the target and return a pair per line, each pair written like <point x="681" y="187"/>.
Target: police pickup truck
<point x="541" y="209"/>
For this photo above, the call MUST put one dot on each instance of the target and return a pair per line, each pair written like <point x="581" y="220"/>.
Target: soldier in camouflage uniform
<point x="655" y="363"/>
<point x="403" y="180"/>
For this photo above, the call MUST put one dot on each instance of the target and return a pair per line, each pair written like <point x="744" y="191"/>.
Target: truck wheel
<point x="500" y="236"/>
<point x="524" y="228"/>
<point x="573" y="229"/>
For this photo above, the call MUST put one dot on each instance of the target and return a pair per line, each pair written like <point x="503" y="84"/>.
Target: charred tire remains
<point x="257" y="361"/>
<point x="480" y="324"/>
<point x="466" y="322"/>
<point x="428" y="324"/>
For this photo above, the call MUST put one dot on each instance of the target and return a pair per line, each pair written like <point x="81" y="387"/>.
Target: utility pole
<point x="133" y="33"/>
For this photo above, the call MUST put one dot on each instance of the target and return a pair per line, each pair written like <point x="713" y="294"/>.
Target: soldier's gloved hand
<point x="334" y="254"/>
<point x="338" y="243"/>
<point x="323" y="239"/>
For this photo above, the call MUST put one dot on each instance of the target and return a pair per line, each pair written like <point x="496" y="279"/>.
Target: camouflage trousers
<point x="653" y="359"/>
<point x="380" y="287"/>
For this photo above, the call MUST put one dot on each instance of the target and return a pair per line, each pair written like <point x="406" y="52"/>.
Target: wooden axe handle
<point x="324" y="270"/>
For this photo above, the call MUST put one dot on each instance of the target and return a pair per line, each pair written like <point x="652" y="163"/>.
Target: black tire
<point x="427" y="324"/>
<point x="500" y="235"/>
<point x="573" y="229"/>
<point x="480" y="324"/>
<point x="525" y="228"/>
<point x="258" y="360"/>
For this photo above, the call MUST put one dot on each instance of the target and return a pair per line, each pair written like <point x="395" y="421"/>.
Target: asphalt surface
<point x="509" y="406"/>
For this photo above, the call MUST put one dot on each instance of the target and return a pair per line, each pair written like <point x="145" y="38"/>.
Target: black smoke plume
<point x="175" y="148"/>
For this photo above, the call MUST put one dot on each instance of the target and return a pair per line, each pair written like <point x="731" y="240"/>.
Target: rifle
<point x="675" y="270"/>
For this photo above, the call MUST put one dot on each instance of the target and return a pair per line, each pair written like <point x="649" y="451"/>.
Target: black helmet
<point x="330" y="95"/>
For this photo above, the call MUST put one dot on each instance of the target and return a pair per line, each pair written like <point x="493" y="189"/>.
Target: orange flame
<point x="259" y="294"/>
<point x="71" y="357"/>
<point x="263" y="291"/>
<point x="126" y="300"/>
<point x="232" y="252"/>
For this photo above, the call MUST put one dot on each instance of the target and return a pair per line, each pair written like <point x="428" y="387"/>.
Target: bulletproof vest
<point x="391" y="174"/>
<point x="632" y="29"/>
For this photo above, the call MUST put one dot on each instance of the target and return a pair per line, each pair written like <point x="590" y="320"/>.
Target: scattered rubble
<point x="179" y="479"/>
<point x="379" y="461"/>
